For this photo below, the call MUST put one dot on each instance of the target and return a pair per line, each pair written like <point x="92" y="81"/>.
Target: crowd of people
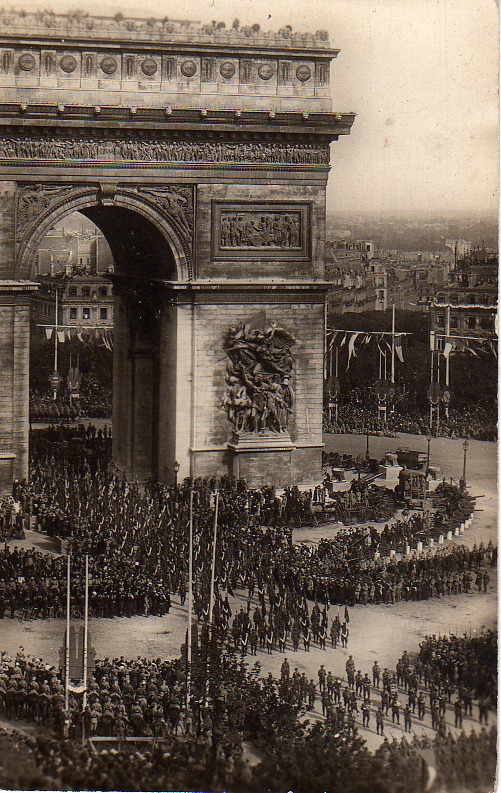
<point x="358" y="410"/>
<point x="94" y="401"/>
<point x="137" y="544"/>
<point x="204" y="744"/>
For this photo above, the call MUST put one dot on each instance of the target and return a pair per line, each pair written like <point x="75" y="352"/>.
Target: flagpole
<point x="393" y="344"/>
<point x="211" y="597"/>
<point x="447" y="363"/>
<point x="55" y="337"/>
<point x="190" y="605"/>
<point x="86" y="630"/>
<point x="67" y="648"/>
<point x="337" y="374"/>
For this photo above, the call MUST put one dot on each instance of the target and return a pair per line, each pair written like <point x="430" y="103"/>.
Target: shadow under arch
<point x="138" y="247"/>
<point x="143" y="242"/>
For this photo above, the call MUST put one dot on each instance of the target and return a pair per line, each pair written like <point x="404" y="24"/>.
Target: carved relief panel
<point x="272" y="230"/>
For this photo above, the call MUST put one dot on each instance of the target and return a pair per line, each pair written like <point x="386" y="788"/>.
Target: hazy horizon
<point x="422" y="77"/>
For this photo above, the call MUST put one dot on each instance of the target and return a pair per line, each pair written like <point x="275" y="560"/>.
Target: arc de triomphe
<point x="202" y="154"/>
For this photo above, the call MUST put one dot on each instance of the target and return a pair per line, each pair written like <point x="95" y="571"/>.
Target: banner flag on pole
<point x="60" y="336"/>
<point x="351" y="348"/>
<point x="447" y="349"/>
<point x="333" y="339"/>
<point x="48" y="333"/>
<point x="343" y="339"/>
<point x="399" y="351"/>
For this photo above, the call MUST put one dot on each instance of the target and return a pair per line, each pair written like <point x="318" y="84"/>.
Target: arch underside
<point x="144" y="240"/>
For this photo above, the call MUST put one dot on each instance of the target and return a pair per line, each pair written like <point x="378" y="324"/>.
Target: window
<point x="454" y="322"/>
<point x="73" y="313"/>
<point x="72" y="291"/>
<point x="472" y="323"/>
<point x="103" y="291"/>
<point x="103" y="313"/>
<point x="440" y="321"/>
<point x="471" y="300"/>
<point x="454" y="298"/>
<point x="86" y="291"/>
<point x="440" y="297"/>
<point x="85" y="313"/>
<point x="486" y="323"/>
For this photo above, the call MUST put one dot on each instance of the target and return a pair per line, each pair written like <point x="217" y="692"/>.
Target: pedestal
<point x="262" y="459"/>
<point x="6" y="473"/>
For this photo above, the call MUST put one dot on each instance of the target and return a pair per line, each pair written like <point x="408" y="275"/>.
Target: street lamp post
<point x="367" y="455"/>
<point x="176" y="468"/>
<point x="465" y="449"/>
<point x="428" y="441"/>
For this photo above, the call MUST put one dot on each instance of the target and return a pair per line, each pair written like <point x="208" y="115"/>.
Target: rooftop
<point x="79" y="24"/>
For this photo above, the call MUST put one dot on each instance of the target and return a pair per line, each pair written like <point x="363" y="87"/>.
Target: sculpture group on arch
<point x="259" y="396"/>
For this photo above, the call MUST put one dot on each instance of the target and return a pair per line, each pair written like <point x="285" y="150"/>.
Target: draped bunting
<point x="338" y="338"/>
<point x="83" y="333"/>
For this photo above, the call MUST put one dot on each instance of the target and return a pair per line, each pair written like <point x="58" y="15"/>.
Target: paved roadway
<point x="376" y="632"/>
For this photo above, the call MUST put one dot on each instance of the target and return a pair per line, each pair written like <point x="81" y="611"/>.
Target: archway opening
<point x="102" y="330"/>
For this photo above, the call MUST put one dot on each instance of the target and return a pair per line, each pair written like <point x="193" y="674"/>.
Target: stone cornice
<point x="64" y="117"/>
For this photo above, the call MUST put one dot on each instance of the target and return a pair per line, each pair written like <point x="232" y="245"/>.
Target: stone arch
<point x="39" y="207"/>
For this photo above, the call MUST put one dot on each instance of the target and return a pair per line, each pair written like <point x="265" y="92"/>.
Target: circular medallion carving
<point x="68" y="63"/>
<point x="188" y="68"/>
<point x="26" y="62"/>
<point x="227" y="70"/>
<point x="109" y="65"/>
<point x="303" y="73"/>
<point x="149" y="67"/>
<point x="265" y="71"/>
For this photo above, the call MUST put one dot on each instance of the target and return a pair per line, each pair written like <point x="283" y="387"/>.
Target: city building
<point x="467" y="304"/>
<point x="83" y="301"/>
<point x="358" y="279"/>
<point x="78" y="245"/>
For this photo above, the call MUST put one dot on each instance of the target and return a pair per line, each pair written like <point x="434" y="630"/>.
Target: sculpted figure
<point x="259" y="396"/>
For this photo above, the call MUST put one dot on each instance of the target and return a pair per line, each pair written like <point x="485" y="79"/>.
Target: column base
<point x="264" y="459"/>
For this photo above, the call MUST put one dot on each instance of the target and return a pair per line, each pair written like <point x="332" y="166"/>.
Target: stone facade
<point x="207" y="177"/>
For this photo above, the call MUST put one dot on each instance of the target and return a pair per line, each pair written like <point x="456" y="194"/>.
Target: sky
<point x="422" y="76"/>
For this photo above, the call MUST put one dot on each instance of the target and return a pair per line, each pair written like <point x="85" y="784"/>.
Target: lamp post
<point x="428" y="441"/>
<point x="463" y="481"/>
<point x="176" y="468"/>
<point x="367" y="455"/>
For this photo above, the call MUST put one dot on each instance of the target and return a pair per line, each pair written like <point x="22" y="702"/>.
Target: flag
<point x="48" y="333"/>
<point x="447" y="349"/>
<point x="333" y="339"/>
<point x="398" y="350"/>
<point x="351" y="348"/>
<point x="343" y="339"/>
<point x="60" y="336"/>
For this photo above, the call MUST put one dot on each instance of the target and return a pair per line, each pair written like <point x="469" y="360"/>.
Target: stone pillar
<point x="121" y="388"/>
<point x="14" y="382"/>
<point x="449" y="535"/>
<point x="419" y="548"/>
